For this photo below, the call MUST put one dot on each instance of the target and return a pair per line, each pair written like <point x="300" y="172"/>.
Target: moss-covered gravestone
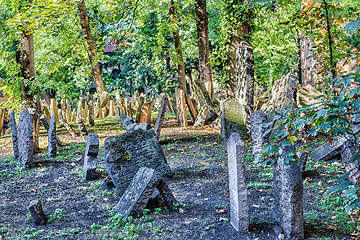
<point x="125" y="154"/>
<point x="233" y="119"/>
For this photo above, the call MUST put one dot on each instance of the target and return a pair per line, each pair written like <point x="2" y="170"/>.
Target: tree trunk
<point x="236" y="37"/>
<point x="176" y="35"/>
<point x="92" y="52"/>
<point x="203" y="45"/>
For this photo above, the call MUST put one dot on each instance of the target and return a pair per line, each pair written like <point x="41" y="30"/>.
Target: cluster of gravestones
<point x="136" y="164"/>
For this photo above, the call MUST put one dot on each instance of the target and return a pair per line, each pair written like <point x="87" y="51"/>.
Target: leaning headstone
<point x="90" y="160"/>
<point x="239" y="208"/>
<point x="302" y="160"/>
<point x="161" y="115"/>
<point x="257" y="120"/>
<point x="37" y="212"/>
<point x="233" y="119"/>
<point x="288" y="197"/>
<point x="14" y="134"/>
<point x="25" y="137"/>
<point x="201" y="117"/>
<point x="145" y="114"/>
<point x="181" y="107"/>
<point x="353" y="168"/>
<point x="126" y="153"/>
<point x="52" y="140"/>
<point x="140" y="191"/>
<point x="127" y="122"/>
<point x="327" y="150"/>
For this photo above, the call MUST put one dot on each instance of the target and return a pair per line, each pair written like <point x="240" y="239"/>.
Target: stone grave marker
<point x="54" y="109"/>
<point x="181" y="107"/>
<point x="127" y="122"/>
<point x="145" y="114"/>
<point x="14" y="134"/>
<point x="37" y="212"/>
<point x="112" y="108"/>
<point x="288" y="197"/>
<point x="327" y="151"/>
<point x="140" y="191"/>
<point x="257" y="119"/>
<point x="52" y="140"/>
<point x="233" y="119"/>
<point x="126" y="153"/>
<point x="25" y="137"/>
<point x="90" y="160"/>
<point x="239" y="208"/>
<point x="161" y="115"/>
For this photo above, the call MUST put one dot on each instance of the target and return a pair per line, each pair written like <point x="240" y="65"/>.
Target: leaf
<point x="322" y="113"/>
<point x="352" y="27"/>
<point x="351" y="206"/>
<point x="355" y="156"/>
<point x="337" y="188"/>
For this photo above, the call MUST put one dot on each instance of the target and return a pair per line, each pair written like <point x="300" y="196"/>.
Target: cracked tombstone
<point x="239" y="208"/>
<point x="127" y="122"/>
<point x="140" y="191"/>
<point x="14" y="134"/>
<point x="327" y="150"/>
<point x="126" y="153"/>
<point x="90" y="160"/>
<point x="52" y="140"/>
<point x="25" y="137"/>
<point x="37" y="212"/>
<point x="161" y="115"/>
<point x="257" y="119"/>
<point x="288" y="197"/>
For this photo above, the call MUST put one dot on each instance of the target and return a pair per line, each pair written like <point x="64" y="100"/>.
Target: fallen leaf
<point x="222" y="210"/>
<point x="257" y="206"/>
<point x="281" y="236"/>
<point x="223" y="219"/>
<point x="226" y="194"/>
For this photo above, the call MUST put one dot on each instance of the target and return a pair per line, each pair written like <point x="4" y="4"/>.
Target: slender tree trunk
<point x="203" y="45"/>
<point x="92" y="53"/>
<point x="328" y="29"/>
<point x="237" y="35"/>
<point x="176" y="35"/>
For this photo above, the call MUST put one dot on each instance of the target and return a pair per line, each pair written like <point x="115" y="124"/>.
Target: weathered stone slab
<point x="288" y="197"/>
<point x="127" y="122"/>
<point x="233" y="119"/>
<point x="257" y="120"/>
<point x="160" y="116"/>
<point x="353" y="168"/>
<point x="25" y="137"/>
<point x="37" y="213"/>
<point x="126" y="153"/>
<point x="14" y="134"/>
<point x="52" y="140"/>
<point x="90" y="159"/>
<point x="54" y="109"/>
<point x="140" y="191"/>
<point x="302" y="160"/>
<point x="327" y="151"/>
<point x="239" y="208"/>
<point x="145" y="114"/>
<point x="181" y="107"/>
<point x="201" y="117"/>
<point x="112" y="108"/>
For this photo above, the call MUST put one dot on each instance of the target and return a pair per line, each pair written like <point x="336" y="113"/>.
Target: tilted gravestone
<point x="233" y="119"/>
<point x="288" y="197"/>
<point x="14" y="134"/>
<point x="90" y="160"/>
<point x="257" y="120"/>
<point x="126" y="153"/>
<point x="52" y="140"/>
<point x="127" y="122"/>
<point x="239" y="208"/>
<point x="145" y="113"/>
<point x="25" y="137"/>
<point x="327" y="150"/>
<point x="161" y="115"/>
<point x="140" y="191"/>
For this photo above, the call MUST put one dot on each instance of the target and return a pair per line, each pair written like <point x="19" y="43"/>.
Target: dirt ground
<point x="197" y="156"/>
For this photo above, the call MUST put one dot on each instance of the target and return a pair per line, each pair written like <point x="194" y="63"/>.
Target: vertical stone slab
<point x="90" y="160"/>
<point x="146" y="109"/>
<point x="52" y="140"/>
<point x="233" y="119"/>
<point x="288" y="197"/>
<point x="160" y="116"/>
<point x="68" y="113"/>
<point x="181" y="107"/>
<point x="112" y="108"/>
<point x="127" y="122"/>
<point x="244" y="89"/>
<point x="239" y="208"/>
<point x="25" y="137"/>
<point x="91" y="110"/>
<point x="258" y="118"/>
<point x="37" y="213"/>
<point x="54" y="109"/>
<point x="201" y="117"/>
<point x="14" y="134"/>
<point x="119" y="103"/>
<point x="79" y="121"/>
<point x="139" y="102"/>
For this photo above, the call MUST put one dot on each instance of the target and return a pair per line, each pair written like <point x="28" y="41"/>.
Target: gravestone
<point x="181" y="107"/>
<point x="139" y="103"/>
<point x="54" y="109"/>
<point x="244" y="88"/>
<point x="288" y="197"/>
<point x="140" y="191"/>
<point x="201" y="117"/>
<point x="233" y="119"/>
<point x="127" y="122"/>
<point x="68" y="113"/>
<point x="161" y="115"/>
<point x="126" y="153"/>
<point x="52" y="140"/>
<point x="302" y="160"/>
<point x="112" y="108"/>
<point x="145" y="113"/>
<point x="37" y="212"/>
<point x="79" y="119"/>
<point x="90" y="159"/>
<point x="239" y="208"/>
<point x="14" y="134"/>
<point x="258" y="118"/>
<point x="327" y="150"/>
<point x="25" y="139"/>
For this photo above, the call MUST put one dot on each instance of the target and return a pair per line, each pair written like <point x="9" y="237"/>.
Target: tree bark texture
<point x="28" y="67"/>
<point x="203" y="45"/>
